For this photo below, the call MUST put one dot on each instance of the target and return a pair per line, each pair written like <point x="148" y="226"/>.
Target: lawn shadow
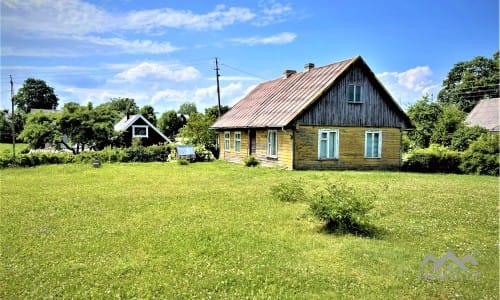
<point x="366" y="230"/>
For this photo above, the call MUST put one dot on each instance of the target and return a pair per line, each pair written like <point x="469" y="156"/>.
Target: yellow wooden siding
<point x="284" y="151"/>
<point x="351" y="149"/>
<point x="232" y="155"/>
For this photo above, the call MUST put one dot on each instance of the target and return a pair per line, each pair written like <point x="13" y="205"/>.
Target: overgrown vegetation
<point x="251" y="161"/>
<point x="343" y="208"/>
<point x="291" y="191"/>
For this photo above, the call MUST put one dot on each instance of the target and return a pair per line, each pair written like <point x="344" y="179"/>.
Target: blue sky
<point x="162" y="53"/>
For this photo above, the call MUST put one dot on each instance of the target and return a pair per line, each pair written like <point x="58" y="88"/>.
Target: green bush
<point x="251" y="161"/>
<point x="291" y="191"/>
<point x="182" y="162"/>
<point x="435" y="159"/>
<point x="482" y="156"/>
<point x="344" y="209"/>
<point x="202" y="153"/>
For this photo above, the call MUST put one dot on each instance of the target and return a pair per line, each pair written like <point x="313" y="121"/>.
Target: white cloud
<point x="272" y="12"/>
<point x="171" y="18"/>
<point x="281" y="38"/>
<point x="135" y="46"/>
<point x="408" y="86"/>
<point x="156" y="70"/>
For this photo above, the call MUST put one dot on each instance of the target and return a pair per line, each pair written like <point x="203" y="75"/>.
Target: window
<point x="227" y="141"/>
<point x="373" y="144"/>
<point x="237" y="141"/>
<point x="328" y="144"/>
<point x="272" y="143"/>
<point x="139" y="131"/>
<point x="354" y="93"/>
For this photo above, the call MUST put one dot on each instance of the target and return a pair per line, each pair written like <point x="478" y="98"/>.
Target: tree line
<point x="440" y="122"/>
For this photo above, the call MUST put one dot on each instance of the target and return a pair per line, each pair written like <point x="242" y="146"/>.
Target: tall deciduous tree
<point x="424" y="115"/>
<point x="122" y="106"/>
<point x="187" y="108"/>
<point x="35" y="93"/>
<point x="214" y="110"/>
<point x="148" y="112"/>
<point x="470" y="81"/>
<point x="450" y="120"/>
<point x="197" y="130"/>
<point x="40" y="128"/>
<point x="170" y="123"/>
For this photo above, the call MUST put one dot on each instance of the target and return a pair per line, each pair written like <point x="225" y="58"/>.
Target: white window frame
<point x="134" y="135"/>
<point x="237" y="141"/>
<point x="270" y="146"/>
<point x="379" y="146"/>
<point x="356" y="87"/>
<point x="328" y="143"/>
<point x="227" y="141"/>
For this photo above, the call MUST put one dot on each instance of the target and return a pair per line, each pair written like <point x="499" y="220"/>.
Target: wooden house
<point x="138" y="127"/>
<point x="338" y="116"/>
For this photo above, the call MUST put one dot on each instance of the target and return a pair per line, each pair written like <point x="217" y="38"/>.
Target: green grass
<point x="213" y="230"/>
<point x="6" y="148"/>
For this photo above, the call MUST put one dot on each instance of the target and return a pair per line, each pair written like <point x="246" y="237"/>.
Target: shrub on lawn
<point x="182" y="162"/>
<point x="251" y="161"/>
<point x="482" y="156"/>
<point x="343" y="208"/>
<point x="435" y="159"/>
<point x="291" y="191"/>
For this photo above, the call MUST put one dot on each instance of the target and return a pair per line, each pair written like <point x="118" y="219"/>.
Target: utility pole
<point x="217" y="75"/>
<point x="13" y="118"/>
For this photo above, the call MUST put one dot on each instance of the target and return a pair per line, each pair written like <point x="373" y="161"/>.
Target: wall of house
<point x="153" y="137"/>
<point x="351" y="149"/>
<point x="375" y="109"/>
<point x="284" y="151"/>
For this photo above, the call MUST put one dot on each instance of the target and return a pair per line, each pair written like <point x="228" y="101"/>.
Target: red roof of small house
<point x="276" y="103"/>
<point x="485" y="114"/>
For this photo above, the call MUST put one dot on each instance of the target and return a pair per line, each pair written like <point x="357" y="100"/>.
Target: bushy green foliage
<point x="158" y="153"/>
<point x="436" y="158"/>
<point x="291" y="191"/>
<point x="482" y="157"/>
<point x="464" y="136"/>
<point x="343" y="208"/>
<point x="182" y="162"/>
<point x="202" y="153"/>
<point x="251" y="161"/>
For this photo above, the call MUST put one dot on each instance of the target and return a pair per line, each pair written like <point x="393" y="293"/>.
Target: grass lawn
<point x="212" y="230"/>
<point x="6" y="148"/>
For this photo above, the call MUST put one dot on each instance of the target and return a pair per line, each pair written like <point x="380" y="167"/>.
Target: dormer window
<point x="354" y="94"/>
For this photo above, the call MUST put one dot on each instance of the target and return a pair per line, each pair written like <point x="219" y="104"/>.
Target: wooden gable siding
<point x="153" y="137"/>
<point x="285" y="143"/>
<point x="334" y="108"/>
<point x="351" y="149"/>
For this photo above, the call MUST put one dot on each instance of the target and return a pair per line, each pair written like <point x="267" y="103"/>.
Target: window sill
<point x="327" y="159"/>
<point x="272" y="157"/>
<point x="355" y="102"/>
<point x="373" y="157"/>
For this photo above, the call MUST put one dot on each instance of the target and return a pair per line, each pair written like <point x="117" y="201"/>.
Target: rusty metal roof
<point x="485" y="114"/>
<point x="277" y="102"/>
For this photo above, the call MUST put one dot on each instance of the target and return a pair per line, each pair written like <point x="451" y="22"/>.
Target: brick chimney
<point x="308" y="67"/>
<point x="288" y="73"/>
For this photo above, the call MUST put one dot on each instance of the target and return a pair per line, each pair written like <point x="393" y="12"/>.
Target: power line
<point x="241" y="71"/>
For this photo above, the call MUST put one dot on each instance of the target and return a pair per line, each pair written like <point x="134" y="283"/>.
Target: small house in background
<point x="185" y="152"/>
<point x="485" y="114"/>
<point x="138" y="127"/>
<point x="337" y="116"/>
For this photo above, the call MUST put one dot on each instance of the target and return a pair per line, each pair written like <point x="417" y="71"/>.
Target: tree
<point x="5" y="127"/>
<point x="464" y="136"/>
<point x="187" y="108"/>
<point x="470" y="81"/>
<point x="424" y="114"/>
<point x="214" y="110"/>
<point x="35" y="93"/>
<point x="450" y="119"/>
<point x="148" y="112"/>
<point x="170" y="123"/>
<point x="197" y="129"/>
<point x="122" y="106"/>
<point x="40" y="128"/>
